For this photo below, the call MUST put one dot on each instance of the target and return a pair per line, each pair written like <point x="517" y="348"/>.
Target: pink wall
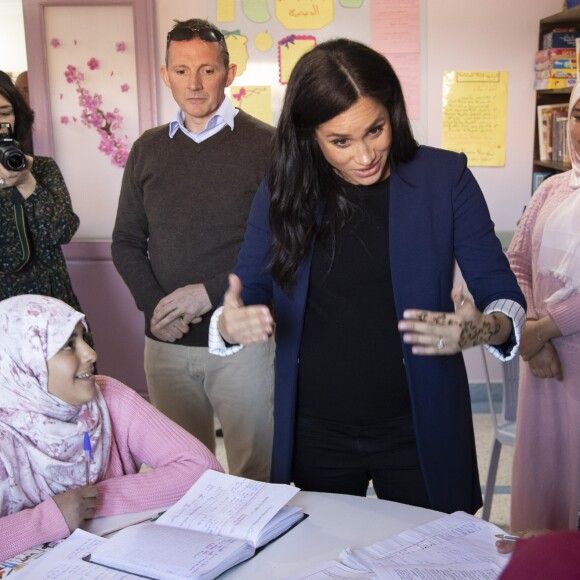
<point x="116" y="324"/>
<point x="495" y="35"/>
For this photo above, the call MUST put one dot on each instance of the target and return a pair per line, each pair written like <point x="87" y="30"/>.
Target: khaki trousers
<point x="189" y="385"/>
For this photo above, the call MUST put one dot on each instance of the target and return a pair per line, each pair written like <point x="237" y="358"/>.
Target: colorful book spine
<point x="554" y="83"/>
<point x="538" y="177"/>
<point x="557" y="73"/>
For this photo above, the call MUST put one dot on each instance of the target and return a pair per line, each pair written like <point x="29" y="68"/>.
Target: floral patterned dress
<point x="51" y="222"/>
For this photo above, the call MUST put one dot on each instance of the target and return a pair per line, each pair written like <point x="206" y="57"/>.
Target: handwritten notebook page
<point x="231" y="506"/>
<point x="167" y="553"/>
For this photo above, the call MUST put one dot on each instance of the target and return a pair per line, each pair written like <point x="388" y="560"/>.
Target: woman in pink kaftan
<point x="545" y="257"/>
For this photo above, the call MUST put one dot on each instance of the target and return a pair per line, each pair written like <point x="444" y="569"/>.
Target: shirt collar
<point x="223" y="116"/>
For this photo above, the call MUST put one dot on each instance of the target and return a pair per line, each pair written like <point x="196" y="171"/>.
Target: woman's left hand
<point x="531" y="342"/>
<point x="444" y="333"/>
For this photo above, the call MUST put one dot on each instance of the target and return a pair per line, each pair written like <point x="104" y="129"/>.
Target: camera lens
<point x="12" y="158"/>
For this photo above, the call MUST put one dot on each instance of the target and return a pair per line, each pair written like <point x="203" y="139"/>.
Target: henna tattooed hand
<point x="444" y="333"/>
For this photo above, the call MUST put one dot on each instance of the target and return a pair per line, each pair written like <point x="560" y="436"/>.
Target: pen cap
<point x="87" y="445"/>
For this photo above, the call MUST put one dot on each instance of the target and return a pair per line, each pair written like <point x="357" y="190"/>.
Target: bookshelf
<point x="567" y="18"/>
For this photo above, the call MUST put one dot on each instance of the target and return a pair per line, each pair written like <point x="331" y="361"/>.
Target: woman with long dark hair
<point x="354" y="236"/>
<point x="36" y="214"/>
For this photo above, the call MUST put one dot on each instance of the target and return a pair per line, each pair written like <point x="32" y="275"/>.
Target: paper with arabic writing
<point x="474" y="115"/>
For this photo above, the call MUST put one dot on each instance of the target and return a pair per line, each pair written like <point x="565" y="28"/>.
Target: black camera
<point x="11" y="156"/>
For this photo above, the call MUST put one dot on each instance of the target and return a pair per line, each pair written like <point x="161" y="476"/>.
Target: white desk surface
<point x="335" y="522"/>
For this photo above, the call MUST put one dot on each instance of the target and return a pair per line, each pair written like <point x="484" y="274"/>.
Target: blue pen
<point x="88" y="452"/>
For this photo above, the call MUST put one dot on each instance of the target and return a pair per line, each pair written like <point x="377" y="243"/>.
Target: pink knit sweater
<point x="141" y="435"/>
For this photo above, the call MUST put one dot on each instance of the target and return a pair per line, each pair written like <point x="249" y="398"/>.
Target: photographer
<point x="36" y="214"/>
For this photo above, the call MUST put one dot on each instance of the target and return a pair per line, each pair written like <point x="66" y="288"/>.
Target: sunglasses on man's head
<point x="186" y="33"/>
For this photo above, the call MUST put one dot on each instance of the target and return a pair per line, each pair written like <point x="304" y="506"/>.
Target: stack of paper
<point x="457" y="546"/>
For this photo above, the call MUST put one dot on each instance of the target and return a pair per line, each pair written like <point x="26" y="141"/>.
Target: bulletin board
<point x="116" y="45"/>
<point x="266" y="38"/>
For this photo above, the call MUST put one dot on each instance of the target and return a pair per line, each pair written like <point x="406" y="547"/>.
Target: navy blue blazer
<point x="437" y="215"/>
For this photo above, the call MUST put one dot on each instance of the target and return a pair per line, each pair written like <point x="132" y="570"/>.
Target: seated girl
<point x="49" y="399"/>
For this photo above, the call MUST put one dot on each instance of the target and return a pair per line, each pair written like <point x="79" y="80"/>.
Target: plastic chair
<point x="504" y="428"/>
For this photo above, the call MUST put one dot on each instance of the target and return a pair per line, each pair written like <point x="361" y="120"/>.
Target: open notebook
<point x="218" y="523"/>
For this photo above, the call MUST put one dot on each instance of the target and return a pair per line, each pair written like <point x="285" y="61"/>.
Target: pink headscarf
<point x="41" y="436"/>
<point x="574" y="156"/>
<point x="560" y="248"/>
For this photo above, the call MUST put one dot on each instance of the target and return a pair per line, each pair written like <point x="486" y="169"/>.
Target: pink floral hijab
<point x="41" y="436"/>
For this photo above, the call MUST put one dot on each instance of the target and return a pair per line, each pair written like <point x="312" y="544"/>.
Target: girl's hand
<point x="77" y="505"/>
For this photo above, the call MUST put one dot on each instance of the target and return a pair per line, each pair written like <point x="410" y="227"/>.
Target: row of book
<point x="552" y="135"/>
<point x="556" y="68"/>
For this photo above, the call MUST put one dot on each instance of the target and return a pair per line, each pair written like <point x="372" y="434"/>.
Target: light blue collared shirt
<point x="223" y="116"/>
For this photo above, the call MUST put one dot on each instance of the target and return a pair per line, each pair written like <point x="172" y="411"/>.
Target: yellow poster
<point x="238" y="48"/>
<point x="290" y="49"/>
<point x="255" y="100"/>
<point x="474" y="115"/>
<point x="225" y="10"/>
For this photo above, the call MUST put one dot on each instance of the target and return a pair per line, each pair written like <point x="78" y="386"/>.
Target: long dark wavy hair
<point x="23" y="114"/>
<point x="325" y="82"/>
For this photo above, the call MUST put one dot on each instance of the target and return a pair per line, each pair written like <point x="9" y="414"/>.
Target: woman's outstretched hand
<point x="240" y="324"/>
<point x="77" y="505"/>
<point x="444" y="333"/>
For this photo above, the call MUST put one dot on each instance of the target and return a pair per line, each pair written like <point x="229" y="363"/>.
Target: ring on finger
<point x="440" y="343"/>
<point x="2" y="181"/>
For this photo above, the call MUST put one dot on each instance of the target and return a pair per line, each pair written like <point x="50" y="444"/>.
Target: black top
<point x="351" y="363"/>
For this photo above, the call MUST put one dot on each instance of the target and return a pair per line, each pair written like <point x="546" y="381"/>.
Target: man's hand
<point x="77" y="505"/>
<point x="174" y="313"/>
<point x="172" y="331"/>
<point x="241" y="324"/>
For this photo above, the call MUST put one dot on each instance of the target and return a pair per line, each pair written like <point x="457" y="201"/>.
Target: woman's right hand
<point x="507" y="546"/>
<point x="77" y="505"/>
<point x="23" y="180"/>
<point x="240" y="324"/>
<point x="546" y="363"/>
